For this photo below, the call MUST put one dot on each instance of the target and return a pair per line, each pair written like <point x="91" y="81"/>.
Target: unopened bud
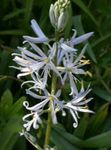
<point x="52" y="15"/>
<point x="58" y="14"/>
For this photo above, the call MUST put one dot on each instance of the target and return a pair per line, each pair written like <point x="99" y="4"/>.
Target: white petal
<point x="68" y="48"/>
<point x="37" y="29"/>
<point x="82" y="38"/>
<point x="58" y="93"/>
<point x="84" y="102"/>
<point x="26" y="116"/>
<point x="80" y="96"/>
<point x="37" y="106"/>
<point x="37" y="49"/>
<point x="73" y="85"/>
<point x="80" y="55"/>
<point x="35" y="95"/>
<point x="75" y="124"/>
<point x="52" y="15"/>
<point x="35" y="39"/>
<point x="23" y="74"/>
<point x="53" y="113"/>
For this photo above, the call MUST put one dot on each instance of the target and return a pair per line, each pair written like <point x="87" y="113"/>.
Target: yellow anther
<point x="85" y="107"/>
<point x="88" y="73"/>
<point x="46" y="60"/>
<point x="85" y="61"/>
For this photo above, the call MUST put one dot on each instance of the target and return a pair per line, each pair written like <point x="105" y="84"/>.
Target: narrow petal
<point x="84" y="102"/>
<point x="26" y="116"/>
<point x="37" y="29"/>
<point x="82" y="38"/>
<point x="80" y="55"/>
<point x="35" y="107"/>
<point x="80" y="96"/>
<point x="37" y="49"/>
<point x="75" y="124"/>
<point x="30" y="54"/>
<point x="73" y="85"/>
<point x="34" y="95"/>
<point x="23" y="74"/>
<point x="53" y="114"/>
<point x="68" y="48"/>
<point x="35" y="39"/>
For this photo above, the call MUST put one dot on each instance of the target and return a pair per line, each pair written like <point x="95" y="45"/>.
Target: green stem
<point x="53" y="89"/>
<point x="48" y="130"/>
<point x="49" y="122"/>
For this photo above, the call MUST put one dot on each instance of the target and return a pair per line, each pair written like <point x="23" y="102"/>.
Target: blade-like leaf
<point x="98" y="119"/>
<point x="12" y="32"/>
<point x="6" y="103"/>
<point x="79" y="27"/>
<point x="86" y="10"/>
<point x="13" y="14"/>
<point x="17" y="105"/>
<point x="102" y="94"/>
<point x="102" y="140"/>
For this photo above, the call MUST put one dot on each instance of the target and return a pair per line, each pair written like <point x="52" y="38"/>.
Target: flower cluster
<point x="59" y="62"/>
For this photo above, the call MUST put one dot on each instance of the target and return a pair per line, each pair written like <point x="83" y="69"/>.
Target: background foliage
<point x="93" y="132"/>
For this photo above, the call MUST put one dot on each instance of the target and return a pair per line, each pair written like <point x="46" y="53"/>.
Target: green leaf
<point x="103" y="149"/>
<point x="13" y="14"/>
<point x="72" y="140"/>
<point x="4" y="64"/>
<point x="61" y="143"/>
<point x="10" y="144"/>
<point x="101" y="40"/>
<point x="7" y="98"/>
<point x="6" y="103"/>
<point x="10" y="131"/>
<point x="81" y="129"/>
<point x="32" y="140"/>
<point x="102" y="140"/>
<point x="12" y="32"/>
<point x="98" y="119"/>
<point x="102" y="93"/>
<point x="28" y="10"/>
<point x="86" y="10"/>
<point x="14" y="125"/>
<point x="20" y="144"/>
<point x="17" y="105"/>
<point x="79" y="27"/>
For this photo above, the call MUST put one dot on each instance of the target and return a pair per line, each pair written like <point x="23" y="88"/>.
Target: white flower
<point x="55" y="104"/>
<point x="78" y="104"/>
<point x="72" y="67"/>
<point x="63" y="50"/>
<point x="67" y="46"/>
<point x="35" y="113"/>
<point x="77" y="40"/>
<point x="41" y="36"/>
<point x="35" y="62"/>
<point x="38" y="82"/>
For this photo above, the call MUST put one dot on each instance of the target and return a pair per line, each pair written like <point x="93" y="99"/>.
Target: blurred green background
<point x="94" y="131"/>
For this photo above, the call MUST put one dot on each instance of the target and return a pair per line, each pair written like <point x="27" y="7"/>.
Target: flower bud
<point x="52" y="15"/>
<point x="58" y="14"/>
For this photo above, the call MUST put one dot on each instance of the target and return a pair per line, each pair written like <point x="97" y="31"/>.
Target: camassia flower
<point x="37" y="110"/>
<point x="62" y="59"/>
<point x="78" y="104"/>
<point x="72" y="66"/>
<point x="35" y="62"/>
<point x="68" y="46"/>
<point x="35" y="113"/>
<point x="41" y="36"/>
<point x="49" y="64"/>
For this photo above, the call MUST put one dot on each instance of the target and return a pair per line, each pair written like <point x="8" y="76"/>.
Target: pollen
<point x="46" y="60"/>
